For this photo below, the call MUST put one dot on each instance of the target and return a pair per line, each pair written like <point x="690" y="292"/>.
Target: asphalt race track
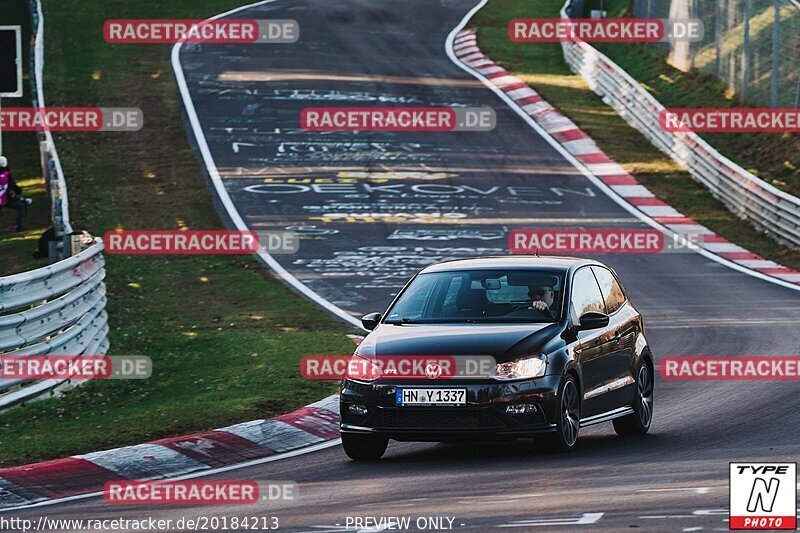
<point x="457" y="194"/>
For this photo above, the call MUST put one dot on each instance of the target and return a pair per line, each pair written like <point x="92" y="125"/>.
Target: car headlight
<point x="524" y="368"/>
<point x="363" y="368"/>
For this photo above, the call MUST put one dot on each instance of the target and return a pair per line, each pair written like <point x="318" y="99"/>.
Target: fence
<point x="752" y="45"/>
<point x="58" y="309"/>
<point x="769" y="209"/>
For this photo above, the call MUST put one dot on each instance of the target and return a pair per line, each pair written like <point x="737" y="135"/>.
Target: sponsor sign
<point x="763" y="496"/>
<point x="10" y="61"/>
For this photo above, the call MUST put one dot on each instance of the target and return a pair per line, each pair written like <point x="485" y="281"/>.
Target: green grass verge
<point x="542" y="66"/>
<point x="224" y="335"/>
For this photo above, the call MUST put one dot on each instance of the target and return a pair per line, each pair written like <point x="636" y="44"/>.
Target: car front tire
<point x="364" y="447"/>
<point x="569" y="418"/>
<point x="639" y="422"/>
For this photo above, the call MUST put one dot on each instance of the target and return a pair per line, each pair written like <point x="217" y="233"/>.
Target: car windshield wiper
<point x="404" y="320"/>
<point x="492" y="320"/>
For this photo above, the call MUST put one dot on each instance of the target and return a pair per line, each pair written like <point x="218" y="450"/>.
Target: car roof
<point x="522" y="262"/>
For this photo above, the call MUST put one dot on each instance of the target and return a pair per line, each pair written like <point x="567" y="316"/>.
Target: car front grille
<point x="447" y="418"/>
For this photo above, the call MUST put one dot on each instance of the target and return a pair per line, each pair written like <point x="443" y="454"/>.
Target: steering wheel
<point x="519" y="307"/>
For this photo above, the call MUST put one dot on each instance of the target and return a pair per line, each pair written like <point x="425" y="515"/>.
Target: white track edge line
<point x="223" y="195"/>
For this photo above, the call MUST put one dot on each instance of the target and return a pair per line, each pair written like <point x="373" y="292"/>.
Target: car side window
<point x="612" y="291"/>
<point x="586" y="295"/>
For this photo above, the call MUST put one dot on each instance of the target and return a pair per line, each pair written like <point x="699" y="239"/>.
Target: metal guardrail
<point x="56" y="185"/>
<point x="769" y="209"/>
<point x="58" y="309"/>
<point x="54" y="310"/>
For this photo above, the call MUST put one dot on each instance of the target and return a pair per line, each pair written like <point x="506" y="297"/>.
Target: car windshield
<point x="480" y="296"/>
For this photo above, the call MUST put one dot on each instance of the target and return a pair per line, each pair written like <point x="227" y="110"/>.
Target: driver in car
<point x="542" y="297"/>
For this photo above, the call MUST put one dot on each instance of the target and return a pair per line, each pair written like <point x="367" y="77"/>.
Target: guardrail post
<point x="776" y="53"/>
<point x="61" y="246"/>
<point x="746" y="51"/>
<point x="718" y="38"/>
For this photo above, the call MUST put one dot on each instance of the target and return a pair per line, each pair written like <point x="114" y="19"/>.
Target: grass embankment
<point x="542" y="66"/>
<point x="224" y="336"/>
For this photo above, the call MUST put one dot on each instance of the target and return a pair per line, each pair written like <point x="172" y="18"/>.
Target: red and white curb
<point x="356" y="338"/>
<point x="170" y="458"/>
<point x="577" y="143"/>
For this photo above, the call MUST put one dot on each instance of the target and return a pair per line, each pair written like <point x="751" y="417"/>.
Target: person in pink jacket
<point x="11" y="194"/>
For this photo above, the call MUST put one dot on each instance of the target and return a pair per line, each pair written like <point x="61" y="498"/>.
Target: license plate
<point x="414" y="396"/>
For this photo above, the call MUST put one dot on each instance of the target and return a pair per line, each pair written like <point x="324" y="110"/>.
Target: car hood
<point x="501" y="341"/>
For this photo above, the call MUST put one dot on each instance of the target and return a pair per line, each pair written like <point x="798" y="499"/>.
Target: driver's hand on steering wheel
<point x="538" y="305"/>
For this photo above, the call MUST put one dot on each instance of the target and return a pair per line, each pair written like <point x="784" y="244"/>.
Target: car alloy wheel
<point x="644" y="391"/>
<point x="568" y="424"/>
<point x="570" y="413"/>
<point x="638" y="423"/>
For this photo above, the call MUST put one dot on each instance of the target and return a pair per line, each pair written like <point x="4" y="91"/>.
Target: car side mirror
<point x="371" y="321"/>
<point x="592" y="320"/>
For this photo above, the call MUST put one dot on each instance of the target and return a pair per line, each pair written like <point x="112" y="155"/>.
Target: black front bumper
<point x="484" y="416"/>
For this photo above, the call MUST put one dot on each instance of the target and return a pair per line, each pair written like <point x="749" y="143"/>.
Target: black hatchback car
<point x="568" y="351"/>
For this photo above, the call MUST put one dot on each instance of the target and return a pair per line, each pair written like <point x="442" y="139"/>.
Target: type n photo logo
<point x="763" y="496"/>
